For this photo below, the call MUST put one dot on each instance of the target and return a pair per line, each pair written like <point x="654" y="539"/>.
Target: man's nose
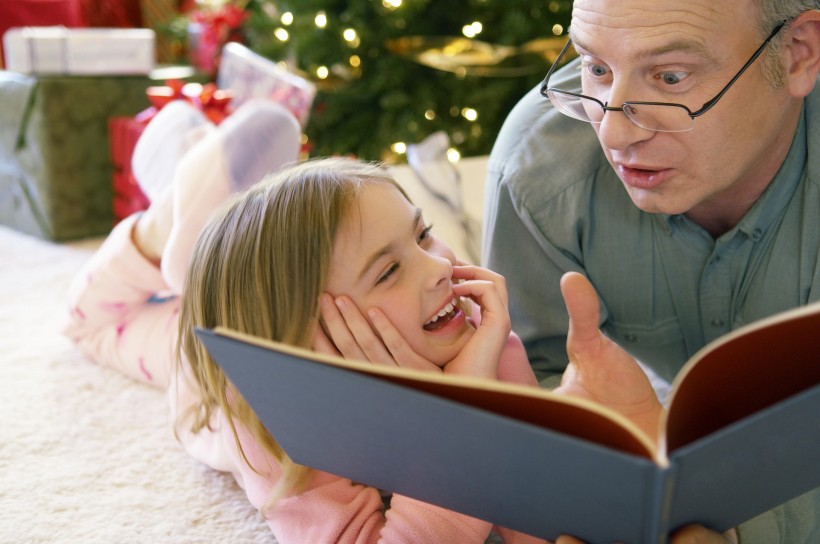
<point x="616" y="131"/>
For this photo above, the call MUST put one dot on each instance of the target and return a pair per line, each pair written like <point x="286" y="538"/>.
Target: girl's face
<point x="386" y="257"/>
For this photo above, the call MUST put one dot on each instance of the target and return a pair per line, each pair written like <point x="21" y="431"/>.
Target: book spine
<point x="659" y="506"/>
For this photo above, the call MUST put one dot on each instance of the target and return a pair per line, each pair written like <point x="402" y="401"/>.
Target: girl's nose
<point x="438" y="271"/>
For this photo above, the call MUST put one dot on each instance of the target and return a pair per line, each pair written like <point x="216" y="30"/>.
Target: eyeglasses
<point x="657" y="116"/>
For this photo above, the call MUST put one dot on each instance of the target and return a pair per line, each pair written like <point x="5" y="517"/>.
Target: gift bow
<point x="213" y="102"/>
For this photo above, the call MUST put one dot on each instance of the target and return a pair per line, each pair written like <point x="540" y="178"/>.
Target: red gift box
<point x="16" y="13"/>
<point x="125" y="131"/>
<point x="123" y="135"/>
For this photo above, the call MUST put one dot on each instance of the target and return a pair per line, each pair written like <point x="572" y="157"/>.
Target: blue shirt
<point x="667" y="287"/>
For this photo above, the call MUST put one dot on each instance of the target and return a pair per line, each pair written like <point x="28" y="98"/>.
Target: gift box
<point x="55" y="166"/>
<point x="124" y="132"/>
<point x="39" y="13"/>
<point x="79" y="51"/>
<point x="250" y="75"/>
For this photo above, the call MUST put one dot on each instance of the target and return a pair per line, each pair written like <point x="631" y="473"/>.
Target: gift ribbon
<point x="212" y="101"/>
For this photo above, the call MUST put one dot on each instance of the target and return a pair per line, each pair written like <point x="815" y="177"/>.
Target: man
<point x="689" y="221"/>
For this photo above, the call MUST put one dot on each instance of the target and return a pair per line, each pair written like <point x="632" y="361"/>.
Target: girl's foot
<point x="257" y="139"/>
<point x="162" y="145"/>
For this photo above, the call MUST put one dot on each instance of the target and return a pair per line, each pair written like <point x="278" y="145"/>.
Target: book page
<point x="743" y="372"/>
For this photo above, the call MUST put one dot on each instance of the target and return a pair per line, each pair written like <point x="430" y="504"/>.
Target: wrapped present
<point x="124" y="132"/>
<point x="55" y="166"/>
<point x="79" y="51"/>
<point x="39" y="13"/>
<point x="250" y="75"/>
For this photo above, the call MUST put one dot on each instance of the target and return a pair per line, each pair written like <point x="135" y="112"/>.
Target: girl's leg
<point x="258" y="138"/>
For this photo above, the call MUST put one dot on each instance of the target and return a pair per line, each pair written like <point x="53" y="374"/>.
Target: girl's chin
<point x="441" y="354"/>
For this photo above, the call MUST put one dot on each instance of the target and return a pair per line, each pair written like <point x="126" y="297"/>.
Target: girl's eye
<point x="425" y="233"/>
<point x="389" y="272"/>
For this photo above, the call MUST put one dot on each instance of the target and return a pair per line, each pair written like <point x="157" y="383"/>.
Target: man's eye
<point x="597" y="70"/>
<point x="390" y="271"/>
<point x="672" y="78"/>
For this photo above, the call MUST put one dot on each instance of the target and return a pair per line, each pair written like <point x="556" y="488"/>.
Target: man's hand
<point x="599" y="369"/>
<point x="691" y="534"/>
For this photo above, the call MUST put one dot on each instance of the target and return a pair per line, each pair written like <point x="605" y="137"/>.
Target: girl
<point x="260" y="266"/>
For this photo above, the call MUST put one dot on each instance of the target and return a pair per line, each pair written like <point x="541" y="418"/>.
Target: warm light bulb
<point x="453" y="155"/>
<point x="399" y="147"/>
<point x="557" y="30"/>
<point x="391" y="4"/>
<point x="281" y="34"/>
<point x="320" y="19"/>
<point x="355" y="61"/>
<point x="469" y="113"/>
<point x="429" y="115"/>
<point x="287" y="18"/>
<point x="322" y="72"/>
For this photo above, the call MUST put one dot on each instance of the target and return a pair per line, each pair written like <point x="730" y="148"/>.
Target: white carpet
<point x="87" y="455"/>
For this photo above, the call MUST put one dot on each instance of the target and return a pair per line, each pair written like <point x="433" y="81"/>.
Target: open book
<point x="742" y="435"/>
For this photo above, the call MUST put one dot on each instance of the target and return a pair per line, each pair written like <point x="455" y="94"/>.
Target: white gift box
<point x="79" y="51"/>
<point x="250" y="75"/>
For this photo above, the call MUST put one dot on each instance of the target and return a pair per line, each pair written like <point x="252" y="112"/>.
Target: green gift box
<point x="55" y="165"/>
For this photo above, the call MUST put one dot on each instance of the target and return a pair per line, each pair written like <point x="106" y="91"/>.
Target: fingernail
<point x="324" y="300"/>
<point x="372" y="314"/>
<point x="341" y="303"/>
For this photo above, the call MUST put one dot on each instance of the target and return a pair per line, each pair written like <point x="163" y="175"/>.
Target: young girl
<point x="261" y="266"/>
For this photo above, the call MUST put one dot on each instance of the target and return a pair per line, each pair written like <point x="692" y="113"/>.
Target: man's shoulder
<point x="541" y="152"/>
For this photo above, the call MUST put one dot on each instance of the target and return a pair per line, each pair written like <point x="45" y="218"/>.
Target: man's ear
<point x="801" y="48"/>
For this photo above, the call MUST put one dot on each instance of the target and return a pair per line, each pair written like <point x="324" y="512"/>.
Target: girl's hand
<point x="345" y="332"/>
<point x="598" y="368"/>
<point x="488" y="290"/>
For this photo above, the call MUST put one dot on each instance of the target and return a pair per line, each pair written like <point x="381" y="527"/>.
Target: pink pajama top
<point x="122" y="314"/>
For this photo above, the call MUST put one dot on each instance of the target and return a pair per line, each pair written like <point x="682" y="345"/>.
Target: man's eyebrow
<point x="379" y="253"/>
<point x="680" y="46"/>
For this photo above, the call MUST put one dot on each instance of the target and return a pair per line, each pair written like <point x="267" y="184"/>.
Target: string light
<point x="281" y="34"/>
<point x="322" y="72"/>
<point x="392" y="4"/>
<point x="472" y="30"/>
<point x="287" y="18"/>
<point x="399" y="147"/>
<point x="453" y="155"/>
<point x="557" y="30"/>
<point x="429" y="115"/>
<point x="355" y="61"/>
<point x="321" y="19"/>
<point x="469" y="113"/>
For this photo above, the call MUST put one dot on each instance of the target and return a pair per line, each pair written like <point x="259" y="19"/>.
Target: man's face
<point x="684" y="51"/>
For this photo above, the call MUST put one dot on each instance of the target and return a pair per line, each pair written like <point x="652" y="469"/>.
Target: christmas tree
<point x="391" y="72"/>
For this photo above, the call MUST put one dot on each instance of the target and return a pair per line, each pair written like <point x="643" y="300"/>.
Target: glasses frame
<point x="545" y="88"/>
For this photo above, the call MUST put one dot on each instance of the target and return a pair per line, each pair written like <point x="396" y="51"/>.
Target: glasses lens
<point x="577" y="107"/>
<point x="659" y="117"/>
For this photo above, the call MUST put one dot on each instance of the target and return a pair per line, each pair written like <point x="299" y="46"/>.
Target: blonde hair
<point x="259" y="267"/>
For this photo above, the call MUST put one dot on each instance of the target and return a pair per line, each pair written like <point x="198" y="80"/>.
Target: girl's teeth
<point x="444" y="311"/>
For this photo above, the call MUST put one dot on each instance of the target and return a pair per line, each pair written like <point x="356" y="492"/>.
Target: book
<point x="741" y="434"/>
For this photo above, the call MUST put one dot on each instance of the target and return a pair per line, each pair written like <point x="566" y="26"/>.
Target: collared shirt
<point x="667" y="287"/>
<point x="554" y="204"/>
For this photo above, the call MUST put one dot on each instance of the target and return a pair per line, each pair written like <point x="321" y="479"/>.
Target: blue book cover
<point x="547" y="464"/>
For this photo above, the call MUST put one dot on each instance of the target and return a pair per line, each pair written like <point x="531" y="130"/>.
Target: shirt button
<point x="631" y="338"/>
<point x="757" y="234"/>
<point x="717" y="322"/>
